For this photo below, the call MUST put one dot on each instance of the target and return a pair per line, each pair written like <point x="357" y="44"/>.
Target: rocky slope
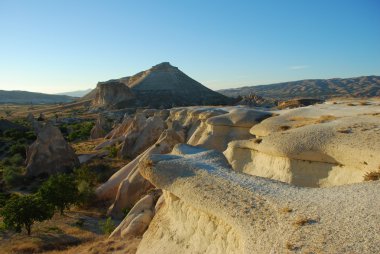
<point x="166" y="86"/>
<point x="366" y="86"/>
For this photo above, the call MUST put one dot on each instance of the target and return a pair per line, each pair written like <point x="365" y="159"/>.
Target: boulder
<point x="50" y="153"/>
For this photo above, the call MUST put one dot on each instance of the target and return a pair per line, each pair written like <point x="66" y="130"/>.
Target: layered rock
<point x="50" y="153"/>
<point x="112" y="95"/>
<point x="163" y="86"/>
<point x="210" y="208"/>
<point x="318" y="146"/>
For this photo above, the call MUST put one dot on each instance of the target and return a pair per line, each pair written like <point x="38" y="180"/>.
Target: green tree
<point x="60" y="190"/>
<point x="23" y="211"/>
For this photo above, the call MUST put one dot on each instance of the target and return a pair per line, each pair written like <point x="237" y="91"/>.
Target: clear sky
<point x="54" y="46"/>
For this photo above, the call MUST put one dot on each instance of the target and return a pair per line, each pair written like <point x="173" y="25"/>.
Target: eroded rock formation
<point x="210" y="208"/>
<point x="50" y="153"/>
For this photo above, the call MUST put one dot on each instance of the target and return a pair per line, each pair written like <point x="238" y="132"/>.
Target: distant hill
<point x="164" y="85"/>
<point x="78" y="93"/>
<point x="366" y="86"/>
<point x="23" y="97"/>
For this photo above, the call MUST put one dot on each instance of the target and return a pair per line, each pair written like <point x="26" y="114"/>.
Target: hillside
<point x="164" y="85"/>
<point x="366" y="86"/>
<point x="23" y="97"/>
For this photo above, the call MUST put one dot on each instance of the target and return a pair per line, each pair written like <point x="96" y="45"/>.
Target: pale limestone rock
<point x="324" y="145"/>
<point x="109" y="190"/>
<point x="210" y="208"/>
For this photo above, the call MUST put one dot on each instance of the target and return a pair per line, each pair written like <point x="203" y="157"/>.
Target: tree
<point x="23" y="211"/>
<point x="60" y="190"/>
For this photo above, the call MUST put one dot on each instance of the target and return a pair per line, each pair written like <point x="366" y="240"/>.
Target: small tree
<point x="60" y="190"/>
<point x="23" y="211"/>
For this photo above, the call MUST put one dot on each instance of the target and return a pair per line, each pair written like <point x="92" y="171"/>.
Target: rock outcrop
<point x="210" y="208"/>
<point x="127" y="185"/>
<point x="162" y="86"/>
<point x="50" y="153"/>
<point x="112" y="95"/>
<point x="312" y="146"/>
<point x="101" y="128"/>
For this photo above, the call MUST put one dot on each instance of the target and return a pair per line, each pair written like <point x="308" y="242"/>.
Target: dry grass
<point x="58" y="234"/>
<point x="345" y="131"/>
<point x="372" y="176"/>
<point x="286" y="210"/>
<point x="303" y="121"/>
<point x="284" y="127"/>
<point x="351" y="104"/>
<point x="290" y="246"/>
<point x="301" y="221"/>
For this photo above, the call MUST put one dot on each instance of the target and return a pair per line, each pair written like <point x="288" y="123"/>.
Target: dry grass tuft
<point x="351" y="104"/>
<point x="290" y="246"/>
<point x="365" y="103"/>
<point x="284" y="127"/>
<point x="286" y="209"/>
<point x="301" y="221"/>
<point x="372" y="176"/>
<point x="346" y="131"/>
<point x="302" y="121"/>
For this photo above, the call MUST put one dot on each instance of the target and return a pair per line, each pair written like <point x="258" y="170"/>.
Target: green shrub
<point x="112" y="151"/>
<point x="22" y="211"/>
<point x="4" y="198"/>
<point x="60" y="190"/>
<point x="17" y="159"/>
<point x="79" y="131"/>
<point x="14" y="134"/>
<point x="18" y="149"/>
<point x="86" y="194"/>
<point x="12" y="176"/>
<point x="107" y="226"/>
<point x="84" y="173"/>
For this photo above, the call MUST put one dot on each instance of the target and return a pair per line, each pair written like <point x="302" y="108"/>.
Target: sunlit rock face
<point x="112" y="95"/>
<point x="210" y="208"/>
<point x="317" y="146"/>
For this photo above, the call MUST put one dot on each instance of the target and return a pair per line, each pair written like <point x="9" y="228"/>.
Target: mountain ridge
<point x="362" y="86"/>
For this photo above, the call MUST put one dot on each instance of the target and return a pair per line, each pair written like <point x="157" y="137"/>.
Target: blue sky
<point x="55" y="46"/>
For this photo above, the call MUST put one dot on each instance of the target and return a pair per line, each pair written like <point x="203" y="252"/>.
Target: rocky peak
<point x="163" y="66"/>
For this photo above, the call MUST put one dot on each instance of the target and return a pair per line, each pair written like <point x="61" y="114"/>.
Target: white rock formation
<point x="210" y="208"/>
<point x="127" y="186"/>
<point x="319" y="146"/>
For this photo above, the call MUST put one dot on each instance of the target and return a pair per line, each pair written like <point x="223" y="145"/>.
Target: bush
<point x="4" y="198"/>
<point x="84" y="173"/>
<point x="112" y="151"/>
<point x="86" y="193"/>
<point x="14" y="134"/>
<point x="107" y="226"/>
<point x="12" y="176"/>
<point x="79" y="131"/>
<point x="60" y="190"/>
<point x="21" y="212"/>
<point x="18" y="149"/>
<point x="17" y="160"/>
